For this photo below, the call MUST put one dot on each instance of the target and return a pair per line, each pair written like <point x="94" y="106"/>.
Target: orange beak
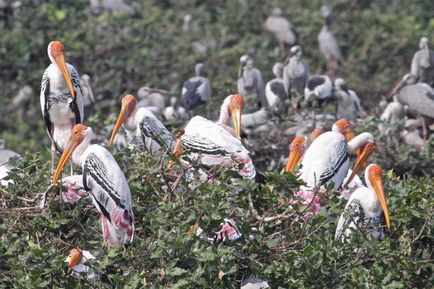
<point x="377" y="183"/>
<point x="295" y="154"/>
<point x="361" y="159"/>
<point x="177" y="152"/>
<point x="236" y="119"/>
<point x="75" y="257"/>
<point x="73" y="142"/>
<point x="349" y="134"/>
<point x="119" y="121"/>
<point x="60" y="61"/>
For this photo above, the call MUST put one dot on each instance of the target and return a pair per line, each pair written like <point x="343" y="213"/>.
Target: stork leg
<point x="53" y="155"/>
<point x="424" y="129"/>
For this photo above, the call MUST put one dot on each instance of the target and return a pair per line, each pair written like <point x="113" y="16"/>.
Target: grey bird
<point x="422" y="65"/>
<point x="419" y="97"/>
<point x="328" y="44"/>
<point x="152" y="99"/>
<point x="296" y="72"/>
<point x="251" y="85"/>
<point x="6" y="156"/>
<point x="196" y="90"/>
<point x="349" y="105"/>
<point x="275" y="89"/>
<point x="284" y="31"/>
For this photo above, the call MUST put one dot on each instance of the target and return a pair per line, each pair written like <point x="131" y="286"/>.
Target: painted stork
<point x="327" y="158"/>
<point x="366" y="209"/>
<point x="61" y="98"/>
<point x="151" y="98"/>
<point x="76" y="263"/>
<point x="196" y="90"/>
<point x="215" y="143"/>
<point x="142" y="127"/>
<point x="422" y="64"/>
<point x="104" y="181"/>
<point x="328" y="44"/>
<point x="296" y="72"/>
<point x="275" y="89"/>
<point x="285" y="31"/>
<point x="250" y="84"/>
<point x="349" y="105"/>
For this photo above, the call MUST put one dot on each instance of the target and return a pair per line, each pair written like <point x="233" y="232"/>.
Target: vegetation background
<point x="122" y="52"/>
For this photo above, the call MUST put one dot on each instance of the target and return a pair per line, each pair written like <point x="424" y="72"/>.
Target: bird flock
<point x="325" y="157"/>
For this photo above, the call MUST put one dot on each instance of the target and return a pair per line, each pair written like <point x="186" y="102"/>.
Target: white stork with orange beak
<point x="366" y="209"/>
<point x="327" y="158"/>
<point x="104" y="181"/>
<point x="61" y="98"/>
<point x="142" y="127"/>
<point x="215" y="143"/>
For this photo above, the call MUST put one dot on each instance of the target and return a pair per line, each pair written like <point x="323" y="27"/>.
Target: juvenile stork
<point x="296" y="72"/>
<point x="250" y="84"/>
<point x="104" y="181"/>
<point x="61" y="98"/>
<point x="285" y="31"/>
<point x="349" y="105"/>
<point x="215" y="143"/>
<point x="142" y="128"/>
<point x="366" y="209"/>
<point x="275" y="88"/>
<point x="196" y="90"/>
<point x="328" y="45"/>
<point x="422" y="64"/>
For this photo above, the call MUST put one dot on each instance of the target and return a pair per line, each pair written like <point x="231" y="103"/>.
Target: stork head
<point x="198" y="69"/>
<point x="295" y="51"/>
<point x="235" y="108"/>
<point x="128" y="107"/>
<point x="363" y="154"/>
<point x="74" y="257"/>
<point x="78" y="134"/>
<point x="296" y="151"/>
<point x="373" y="176"/>
<point x="343" y="126"/>
<point x="56" y="54"/>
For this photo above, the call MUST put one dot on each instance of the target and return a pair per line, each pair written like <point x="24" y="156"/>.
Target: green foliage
<point x="297" y="250"/>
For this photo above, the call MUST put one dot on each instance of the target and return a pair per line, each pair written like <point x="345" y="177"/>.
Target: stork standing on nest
<point x="61" y="98"/>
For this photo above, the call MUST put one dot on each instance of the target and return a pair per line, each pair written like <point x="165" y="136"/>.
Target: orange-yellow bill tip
<point x="75" y="257"/>
<point x="236" y="107"/>
<point x="375" y="178"/>
<point x="295" y="153"/>
<point x="361" y="159"/>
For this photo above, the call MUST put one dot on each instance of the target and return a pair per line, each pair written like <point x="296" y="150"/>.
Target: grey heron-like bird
<point x="61" y="98"/>
<point x="251" y="85"/>
<point x="196" y="90"/>
<point x="175" y="111"/>
<point x="419" y="97"/>
<point x="296" y="72"/>
<point x="284" y="31"/>
<point x="328" y="44"/>
<point x="349" y="105"/>
<point x="6" y="156"/>
<point x="318" y="88"/>
<point x="422" y="65"/>
<point x="275" y="88"/>
<point x="152" y="99"/>
<point x="366" y="209"/>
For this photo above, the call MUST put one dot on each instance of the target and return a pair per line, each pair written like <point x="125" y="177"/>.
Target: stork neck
<point x="358" y="141"/>
<point x="130" y="122"/>
<point x="78" y="156"/>
<point x="224" y="112"/>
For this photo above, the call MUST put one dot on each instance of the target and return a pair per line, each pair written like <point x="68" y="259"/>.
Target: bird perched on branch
<point x="328" y="44"/>
<point x="366" y="209"/>
<point x="105" y="182"/>
<point x="61" y="98"/>
<point x="142" y="128"/>
<point x="285" y="31"/>
<point x="422" y="64"/>
<point x="196" y="90"/>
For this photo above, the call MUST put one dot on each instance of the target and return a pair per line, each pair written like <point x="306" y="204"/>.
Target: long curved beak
<point x="60" y="61"/>
<point x="293" y="159"/>
<point x="361" y="159"/>
<point x="349" y="135"/>
<point x="74" y="257"/>
<point x="236" y="120"/>
<point x="377" y="184"/>
<point x="119" y="122"/>
<point x="69" y="149"/>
